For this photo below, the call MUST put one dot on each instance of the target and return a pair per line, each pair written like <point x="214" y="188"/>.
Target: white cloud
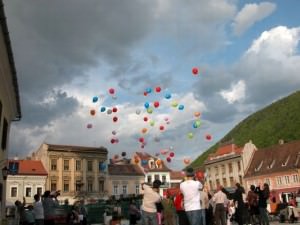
<point x="277" y="43"/>
<point x="235" y="93"/>
<point x="250" y="14"/>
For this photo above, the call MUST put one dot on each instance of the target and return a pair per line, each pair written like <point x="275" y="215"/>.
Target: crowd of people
<point x="195" y="205"/>
<point x="43" y="211"/>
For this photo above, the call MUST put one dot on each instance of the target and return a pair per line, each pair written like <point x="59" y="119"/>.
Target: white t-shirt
<point x="191" y="193"/>
<point x="150" y="198"/>
<point x="38" y="210"/>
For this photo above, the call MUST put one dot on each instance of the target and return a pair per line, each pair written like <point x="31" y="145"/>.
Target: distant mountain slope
<point x="280" y="120"/>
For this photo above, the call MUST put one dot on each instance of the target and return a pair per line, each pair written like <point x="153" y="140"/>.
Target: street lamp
<point x="4" y="172"/>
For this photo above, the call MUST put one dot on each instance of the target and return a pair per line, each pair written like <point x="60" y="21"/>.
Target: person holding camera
<point x="50" y="202"/>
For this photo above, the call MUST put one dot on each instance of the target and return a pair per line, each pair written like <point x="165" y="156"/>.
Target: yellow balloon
<point x="174" y="104"/>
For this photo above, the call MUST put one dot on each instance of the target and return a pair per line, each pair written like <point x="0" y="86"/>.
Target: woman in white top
<point x="38" y="210"/>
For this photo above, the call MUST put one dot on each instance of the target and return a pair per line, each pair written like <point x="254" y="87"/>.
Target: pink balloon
<point x="111" y="91"/>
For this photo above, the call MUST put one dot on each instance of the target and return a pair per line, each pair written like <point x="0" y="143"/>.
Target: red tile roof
<point x="274" y="159"/>
<point x="125" y="170"/>
<point x="30" y="167"/>
<point x="146" y="156"/>
<point x="225" y="150"/>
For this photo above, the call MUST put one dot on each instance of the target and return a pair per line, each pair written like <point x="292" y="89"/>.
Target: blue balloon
<point x="168" y="96"/>
<point x="102" y="109"/>
<point x="95" y="99"/>
<point x="102" y="166"/>
<point x="144" y="162"/>
<point x="195" y="125"/>
<point x="149" y="90"/>
<point x="181" y="107"/>
<point x="146" y="105"/>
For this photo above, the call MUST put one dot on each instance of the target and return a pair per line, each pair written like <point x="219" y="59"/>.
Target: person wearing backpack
<point x="252" y="199"/>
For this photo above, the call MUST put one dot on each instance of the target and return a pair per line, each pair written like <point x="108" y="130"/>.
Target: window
<point x="90" y="166"/>
<point x="239" y="165"/>
<point x="163" y="179"/>
<point x="28" y="192"/>
<point x="240" y="180"/>
<point x="156" y="177"/>
<point x="211" y="185"/>
<point x="230" y="167"/>
<point x="39" y="191"/>
<point x="267" y="181"/>
<point x="223" y="169"/>
<point x="66" y="186"/>
<point x="149" y="179"/>
<point x="101" y="186"/>
<point x="13" y="192"/>
<point x="66" y="165"/>
<point x="217" y="171"/>
<point x="224" y="182"/>
<point x="90" y="186"/>
<point x="53" y="185"/>
<point x="115" y="189"/>
<point x="53" y="164"/>
<point x="218" y="182"/>
<point x="124" y="190"/>
<point x="231" y="181"/>
<point x="78" y="165"/>
<point x="137" y="189"/>
<point x="4" y="134"/>
<point x="287" y="179"/>
<point x="78" y="185"/>
<point x="295" y="178"/>
<point x="279" y="180"/>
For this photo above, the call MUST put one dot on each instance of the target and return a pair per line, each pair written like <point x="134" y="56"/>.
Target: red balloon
<point x="208" y="137"/>
<point x="195" y="70"/>
<point x="171" y="154"/>
<point x="145" y="93"/>
<point x="156" y="104"/>
<point x="169" y="159"/>
<point x="89" y="126"/>
<point x="158" y="89"/>
<point x="111" y="91"/>
<point x="112" y="141"/>
<point x="141" y="139"/>
<point x="93" y="112"/>
<point x="114" y="109"/>
<point x="145" y="119"/>
<point x="115" y="119"/>
<point x="142" y="146"/>
<point x="161" y="127"/>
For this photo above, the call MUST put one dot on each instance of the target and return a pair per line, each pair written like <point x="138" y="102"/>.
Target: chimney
<point x="281" y="141"/>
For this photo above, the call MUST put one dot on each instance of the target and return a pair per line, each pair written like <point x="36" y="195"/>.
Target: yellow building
<point x="76" y="171"/>
<point x="10" y="109"/>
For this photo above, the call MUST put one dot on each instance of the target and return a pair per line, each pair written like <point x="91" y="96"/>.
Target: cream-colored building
<point x="124" y="179"/>
<point x="76" y="171"/>
<point x="228" y="164"/>
<point x="10" y="109"/>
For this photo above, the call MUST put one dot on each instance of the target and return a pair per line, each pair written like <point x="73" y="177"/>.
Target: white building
<point x="26" y="178"/>
<point x="10" y="109"/>
<point x="154" y="169"/>
<point x="228" y="164"/>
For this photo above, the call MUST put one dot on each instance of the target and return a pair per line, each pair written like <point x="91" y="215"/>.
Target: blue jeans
<point x="264" y="216"/>
<point x="195" y="217"/>
<point x="203" y="212"/>
<point x="149" y="218"/>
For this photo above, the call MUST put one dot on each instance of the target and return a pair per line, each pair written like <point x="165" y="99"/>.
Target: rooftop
<point x="145" y="157"/>
<point x="27" y="167"/>
<point x="74" y="148"/>
<point x="125" y="170"/>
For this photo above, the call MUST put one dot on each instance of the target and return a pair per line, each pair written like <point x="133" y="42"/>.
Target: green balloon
<point x="190" y="135"/>
<point x="150" y="110"/>
<point x="152" y="123"/>
<point x="174" y="104"/>
<point x="198" y="123"/>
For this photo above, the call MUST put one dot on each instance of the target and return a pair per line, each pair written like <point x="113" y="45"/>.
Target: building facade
<point x="124" y="180"/>
<point x="227" y="165"/>
<point x="154" y="169"/>
<point x="277" y="166"/>
<point x="27" y="178"/>
<point x="10" y="109"/>
<point x="76" y="171"/>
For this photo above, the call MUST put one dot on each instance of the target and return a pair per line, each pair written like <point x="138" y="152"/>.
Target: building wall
<point x="159" y="175"/>
<point x="19" y="183"/>
<point x="91" y="184"/>
<point x="133" y="185"/>
<point x="220" y="173"/>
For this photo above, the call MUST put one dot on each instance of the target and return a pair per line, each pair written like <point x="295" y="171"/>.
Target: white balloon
<point x="109" y="111"/>
<point x="138" y="111"/>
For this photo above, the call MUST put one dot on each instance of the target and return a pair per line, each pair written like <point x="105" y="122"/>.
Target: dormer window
<point x="297" y="160"/>
<point x="286" y="161"/>
<point x="151" y="164"/>
<point x="259" y="166"/>
<point x="272" y="164"/>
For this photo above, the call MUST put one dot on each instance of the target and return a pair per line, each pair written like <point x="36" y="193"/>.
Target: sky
<point x="69" y="51"/>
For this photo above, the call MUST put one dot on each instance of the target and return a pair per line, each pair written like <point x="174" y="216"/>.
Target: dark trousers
<point x="182" y="218"/>
<point x="220" y="214"/>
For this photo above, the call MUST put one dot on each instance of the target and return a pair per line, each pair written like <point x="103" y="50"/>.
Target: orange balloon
<point x="144" y="130"/>
<point x="136" y="160"/>
<point x="158" y="162"/>
<point x="197" y="114"/>
<point x="93" y="112"/>
<point x="186" y="161"/>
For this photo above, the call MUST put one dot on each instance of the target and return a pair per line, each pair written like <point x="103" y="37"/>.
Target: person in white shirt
<point x="220" y="199"/>
<point x="151" y="197"/>
<point x="38" y="210"/>
<point x="191" y="197"/>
